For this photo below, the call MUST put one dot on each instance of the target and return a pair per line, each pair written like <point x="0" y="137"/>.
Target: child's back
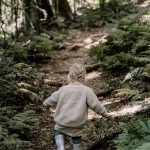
<point x="72" y="102"/>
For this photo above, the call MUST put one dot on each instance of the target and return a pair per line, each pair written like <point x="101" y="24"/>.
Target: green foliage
<point x="14" y="80"/>
<point x="133" y="94"/>
<point x="36" y="49"/>
<point x="128" y="91"/>
<point x="145" y="18"/>
<point x="21" y="54"/>
<point x="136" y="135"/>
<point x="127" y="46"/>
<point x="41" y="44"/>
<point x="127" y="51"/>
<point x="15" y="128"/>
<point x="144" y="146"/>
<point x="19" y="87"/>
<point x="120" y="62"/>
<point x="108" y="12"/>
<point x="90" y="17"/>
<point x="100" y="51"/>
<point x="146" y="73"/>
<point x="136" y="84"/>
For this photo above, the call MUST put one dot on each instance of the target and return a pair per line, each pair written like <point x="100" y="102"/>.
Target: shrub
<point x="126" y="46"/>
<point x="36" y="50"/>
<point x="136" y="135"/>
<point x="12" y="89"/>
<point x="16" y="127"/>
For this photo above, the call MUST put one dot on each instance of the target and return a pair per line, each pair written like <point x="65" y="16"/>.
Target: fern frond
<point x="143" y="59"/>
<point x="146" y="74"/>
<point x="136" y="72"/>
<point x="146" y="53"/>
<point x="128" y="91"/>
<point x="144" y="146"/>
<point x="30" y="93"/>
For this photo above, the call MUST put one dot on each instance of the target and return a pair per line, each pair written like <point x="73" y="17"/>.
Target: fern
<point x="133" y="74"/>
<point x="16" y="92"/>
<point x="31" y="94"/>
<point x="128" y="91"/>
<point x="146" y="72"/>
<point x="135" y="135"/>
<point x="15" y="128"/>
<point x="144" y="146"/>
<point x="23" y="121"/>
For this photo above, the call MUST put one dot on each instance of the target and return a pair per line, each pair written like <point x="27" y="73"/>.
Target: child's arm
<point x="52" y="100"/>
<point x="95" y="104"/>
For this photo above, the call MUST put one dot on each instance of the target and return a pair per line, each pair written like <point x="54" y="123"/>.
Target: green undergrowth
<point x="16" y="127"/>
<point x="109" y="12"/>
<point x="126" y="54"/>
<point x="33" y="47"/>
<point x="19" y="88"/>
<point x="135" y="136"/>
<point x="19" y="84"/>
<point x="127" y="51"/>
<point x="127" y="46"/>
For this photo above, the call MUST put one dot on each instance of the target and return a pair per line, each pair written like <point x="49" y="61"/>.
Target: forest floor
<point x="99" y="133"/>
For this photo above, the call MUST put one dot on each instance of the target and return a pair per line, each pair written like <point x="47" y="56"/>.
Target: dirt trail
<point x="99" y="133"/>
<point x="77" y="50"/>
<point x="78" y="44"/>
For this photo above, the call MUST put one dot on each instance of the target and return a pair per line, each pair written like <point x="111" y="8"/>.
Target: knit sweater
<point x="72" y="102"/>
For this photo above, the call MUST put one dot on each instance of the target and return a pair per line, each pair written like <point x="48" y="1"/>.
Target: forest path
<point x="77" y="45"/>
<point x="76" y="49"/>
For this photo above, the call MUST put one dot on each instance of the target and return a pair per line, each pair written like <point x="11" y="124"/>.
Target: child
<point x="72" y="102"/>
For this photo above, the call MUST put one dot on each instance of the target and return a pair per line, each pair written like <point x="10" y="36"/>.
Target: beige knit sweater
<point x="72" y="102"/>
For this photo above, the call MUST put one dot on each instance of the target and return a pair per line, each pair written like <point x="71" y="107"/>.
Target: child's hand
<point x="108" y="116"/>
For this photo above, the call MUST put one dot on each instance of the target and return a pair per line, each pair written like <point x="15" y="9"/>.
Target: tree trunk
<point x="102" y="5"/>
<point x="27" y="13"/>
<point x="31" y="14"/>
<point x="16" y="13"/>
<point x="63" y="9"/>
<point x="0" y="10"/>
<point x="46" y="5"/>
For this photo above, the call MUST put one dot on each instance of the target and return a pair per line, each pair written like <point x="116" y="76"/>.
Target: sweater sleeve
<point x="53" y="99"/>
<point x="94" y="104"/>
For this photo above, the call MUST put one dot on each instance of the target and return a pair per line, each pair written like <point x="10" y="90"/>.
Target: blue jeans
<point x="75" y="140"/>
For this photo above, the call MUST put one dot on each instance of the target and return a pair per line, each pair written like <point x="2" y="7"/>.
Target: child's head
<point x="77" y="72"/>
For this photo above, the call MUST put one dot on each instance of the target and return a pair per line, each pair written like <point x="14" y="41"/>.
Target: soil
<point x="99" y="133"/>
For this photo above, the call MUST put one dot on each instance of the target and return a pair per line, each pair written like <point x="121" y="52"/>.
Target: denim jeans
<point x="75" y="140"/>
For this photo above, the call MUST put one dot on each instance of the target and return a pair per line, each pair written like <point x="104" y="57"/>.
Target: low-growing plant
<point x="35" y="50"/>
<point x="136" y="135"/>
<point x="18" y="83"/>
<point x="16" y="127"/>
<point x="126" y="46"/>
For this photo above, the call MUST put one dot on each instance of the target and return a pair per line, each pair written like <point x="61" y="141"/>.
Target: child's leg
<point x="77" y="141"/>
<point x="59" y="139"/>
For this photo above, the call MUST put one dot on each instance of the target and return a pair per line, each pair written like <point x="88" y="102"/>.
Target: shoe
<point x="60" y="143"/>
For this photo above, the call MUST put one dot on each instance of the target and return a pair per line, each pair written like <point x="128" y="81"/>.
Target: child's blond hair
<point x="77" y="72"/>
